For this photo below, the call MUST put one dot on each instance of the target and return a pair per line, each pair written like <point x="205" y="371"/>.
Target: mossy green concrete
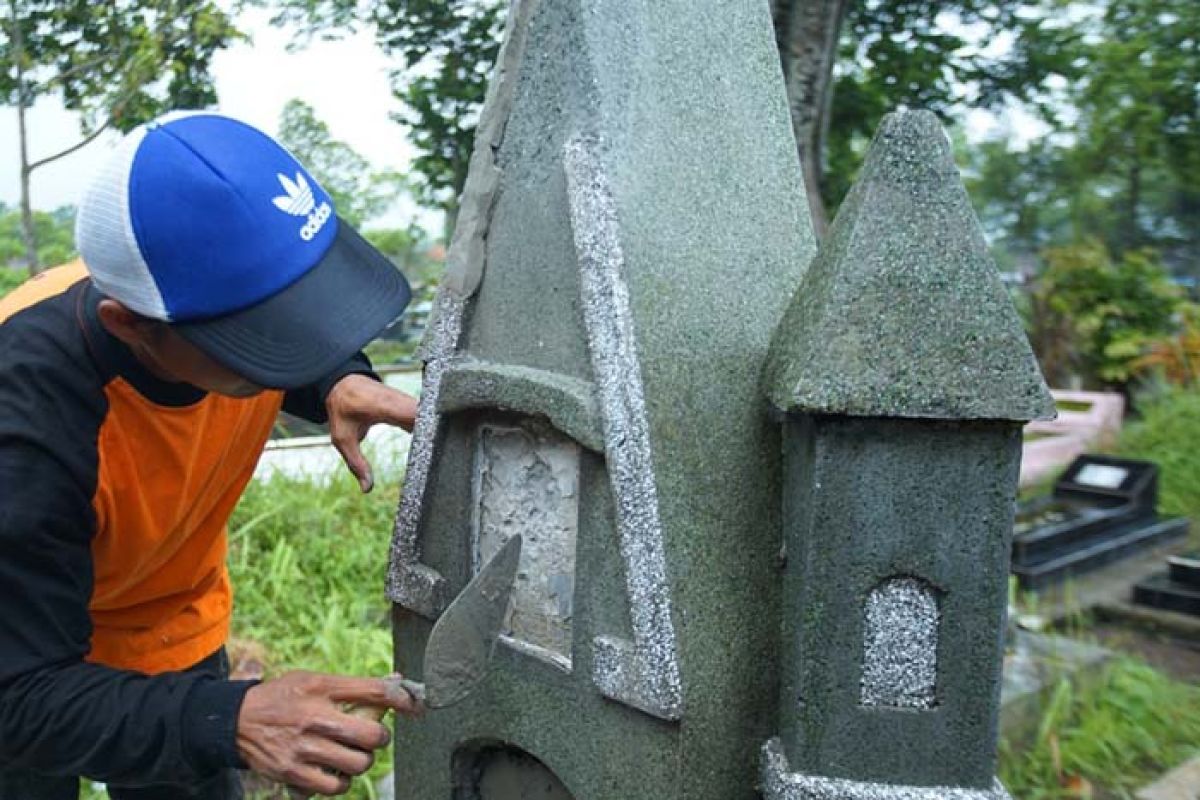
<point x="903" y="378"/>
<point x="903" y="313"/>
<point x="685" y="98"/>
<point x="882" y="498"/>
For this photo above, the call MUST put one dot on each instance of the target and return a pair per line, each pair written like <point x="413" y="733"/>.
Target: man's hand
<point x="357" y="402"/>
<point x="294" y="730"/>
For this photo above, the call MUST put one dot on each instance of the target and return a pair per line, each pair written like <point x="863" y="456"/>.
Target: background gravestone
<point x="632" y="229"/>
<point x="906" y="379"/>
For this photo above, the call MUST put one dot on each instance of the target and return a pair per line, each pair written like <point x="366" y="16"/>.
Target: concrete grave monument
<point x="631" y="232"/>
<point x="906" y="378"/>
<point x="695" y="582"/>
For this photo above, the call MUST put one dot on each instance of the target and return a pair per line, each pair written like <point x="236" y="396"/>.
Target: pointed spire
<point x="902" y="313"/>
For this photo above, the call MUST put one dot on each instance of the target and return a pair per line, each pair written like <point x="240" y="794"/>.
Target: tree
<point x="1122" y="161"/>
<point x="445" y="50"/>
<point x="871" y="55"/>
<point x="116" y="64"/>
<point x="359" y="192"/>
<point x="55" y="236"/>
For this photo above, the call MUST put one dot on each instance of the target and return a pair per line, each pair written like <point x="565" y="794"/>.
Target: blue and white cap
<point x="209" y="224"/>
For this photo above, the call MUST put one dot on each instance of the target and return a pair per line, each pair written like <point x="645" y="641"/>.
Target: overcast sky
<point x="346" y="82"/>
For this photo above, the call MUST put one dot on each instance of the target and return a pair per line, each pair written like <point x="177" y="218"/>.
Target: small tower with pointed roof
<point x="903" y="378"/>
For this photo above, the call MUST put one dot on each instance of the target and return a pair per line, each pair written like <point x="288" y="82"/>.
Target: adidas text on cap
<point x="207" y="223"/>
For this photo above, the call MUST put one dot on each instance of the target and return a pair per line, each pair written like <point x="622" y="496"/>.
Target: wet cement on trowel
<point x="461" y="644"/>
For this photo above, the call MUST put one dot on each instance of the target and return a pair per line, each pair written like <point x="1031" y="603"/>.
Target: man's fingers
<point x="310" y="779"/>
<point x="350" y="448"/>
<point x="378" y="692"/>
<point x="399" y="409"/>
<point x="352" y="731"/>
<point x="332" y="756"/>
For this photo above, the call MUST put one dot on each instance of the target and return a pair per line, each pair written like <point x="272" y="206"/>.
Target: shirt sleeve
<point x="60" y="715"/>
<point x="308" y="402"/>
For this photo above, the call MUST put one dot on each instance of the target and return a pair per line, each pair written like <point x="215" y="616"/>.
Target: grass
<point x="389" y="351"/>
<point x="1122" y="732"/>
<point x="308" y="567"/>
<point x="307" y="564"/>
<point x="1111" y="737"/>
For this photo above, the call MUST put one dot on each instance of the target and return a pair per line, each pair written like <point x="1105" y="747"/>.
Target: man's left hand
<point x="357" y="402"/>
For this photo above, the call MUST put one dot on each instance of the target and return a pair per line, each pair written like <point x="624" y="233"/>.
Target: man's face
<point x="169" y="356"/>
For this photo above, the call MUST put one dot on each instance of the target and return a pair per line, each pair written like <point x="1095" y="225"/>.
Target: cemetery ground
<point x="308" y="567"/>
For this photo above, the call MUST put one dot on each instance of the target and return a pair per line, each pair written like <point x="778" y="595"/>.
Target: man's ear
<point x="128" y="326"/>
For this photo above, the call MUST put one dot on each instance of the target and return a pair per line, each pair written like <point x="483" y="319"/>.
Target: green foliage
<point x="448" y="47"/>
<point x="926" y="54"/>
<point x="1176" y="359"/>
<point x="359" y="193"/>
<point x="445" y="50"/>
<point x="1117" y="735"/>
<point x="1093" y="317"/>
<point x="116" y="63"/>
<point x="307" y="564"/>
<point x="1122" y="162"/>
<point x="1168" y="433"/>
<point x="55" y="237"/>
<point x="11" y="279"/>
<point x="411" y="250"/>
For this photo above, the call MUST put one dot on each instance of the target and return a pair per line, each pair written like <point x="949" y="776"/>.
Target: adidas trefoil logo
<point x="299" y="202"/>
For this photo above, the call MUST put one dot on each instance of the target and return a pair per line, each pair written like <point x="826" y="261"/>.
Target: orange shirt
<point x="169" y="471"/>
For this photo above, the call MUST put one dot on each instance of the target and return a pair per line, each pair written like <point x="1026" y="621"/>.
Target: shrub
<point x="1168" y="433"/>
<point x="1092" y="316"/>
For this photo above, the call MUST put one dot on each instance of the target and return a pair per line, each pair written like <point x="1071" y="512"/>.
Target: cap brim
<point x="306" y="331"/>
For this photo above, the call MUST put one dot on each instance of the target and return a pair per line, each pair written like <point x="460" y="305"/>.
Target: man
<point x="137" y="390"/>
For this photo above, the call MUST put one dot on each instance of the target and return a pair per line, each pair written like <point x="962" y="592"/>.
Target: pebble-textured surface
<point x="710" y="216"/>
<point x="903" y="313"/>
<point x="874" y="500"/>
<point x="901" y="645"/>
<point x="409" y="582"/>
<point x="650" y="679"/>
<point x="905" y="376"/>
<point x="779" y="784"/>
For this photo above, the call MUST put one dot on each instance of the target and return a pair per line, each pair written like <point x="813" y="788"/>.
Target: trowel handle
<point x="415" y="690"/>
<point x="375" y="713"/>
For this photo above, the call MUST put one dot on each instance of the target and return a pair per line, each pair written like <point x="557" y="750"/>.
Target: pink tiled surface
<point x="1059" y="441"/>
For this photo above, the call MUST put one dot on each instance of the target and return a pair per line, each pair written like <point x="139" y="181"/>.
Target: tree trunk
<point x="807" y="33"/>
<point x="1133" y="235"/>
<point x="28" y="233"/>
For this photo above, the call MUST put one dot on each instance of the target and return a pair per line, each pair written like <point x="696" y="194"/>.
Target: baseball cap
<point x="207" y="223"/>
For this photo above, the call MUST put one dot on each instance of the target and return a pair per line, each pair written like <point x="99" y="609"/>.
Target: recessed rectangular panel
<point x="527" y="483"/>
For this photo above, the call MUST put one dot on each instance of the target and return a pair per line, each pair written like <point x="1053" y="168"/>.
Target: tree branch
<point x="91" y="137"/>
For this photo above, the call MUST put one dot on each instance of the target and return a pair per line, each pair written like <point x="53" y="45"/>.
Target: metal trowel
<point x="463" y="639"/>
<point x="460" y="647"/>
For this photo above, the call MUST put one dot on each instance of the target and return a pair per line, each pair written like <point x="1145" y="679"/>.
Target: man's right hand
<point x="294" y="730"/>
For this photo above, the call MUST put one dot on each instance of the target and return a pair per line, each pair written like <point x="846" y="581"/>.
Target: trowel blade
<point x="461" y="644"/>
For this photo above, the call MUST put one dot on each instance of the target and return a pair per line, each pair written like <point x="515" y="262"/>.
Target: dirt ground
<point x="1176" y="655"/>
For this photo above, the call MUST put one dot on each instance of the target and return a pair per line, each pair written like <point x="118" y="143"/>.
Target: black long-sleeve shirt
<point x="82" y="426"/>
